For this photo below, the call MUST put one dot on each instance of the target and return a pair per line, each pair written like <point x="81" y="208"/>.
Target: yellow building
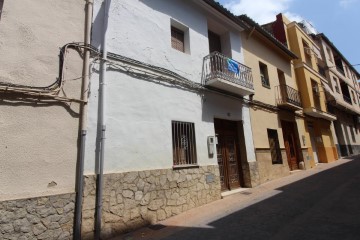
<point x="318" y="121"/>
<point x="278" y="128"/>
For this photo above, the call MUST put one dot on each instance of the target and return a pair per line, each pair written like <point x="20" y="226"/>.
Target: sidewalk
<point x="274" y="210"/>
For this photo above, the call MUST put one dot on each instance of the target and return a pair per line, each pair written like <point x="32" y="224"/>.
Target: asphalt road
<point x="306" y="205"/>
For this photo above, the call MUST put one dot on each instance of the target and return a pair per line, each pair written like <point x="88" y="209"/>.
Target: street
<point x="320" y="203"/>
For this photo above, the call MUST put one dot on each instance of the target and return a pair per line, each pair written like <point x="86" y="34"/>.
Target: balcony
<point x="317" y="113"/>
<point x="226" y="74"/>
<point x="287" y="97"/>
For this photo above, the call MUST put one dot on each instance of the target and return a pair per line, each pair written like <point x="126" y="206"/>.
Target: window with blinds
<point x="274" y="146"/>
<point x="184" y="144"/>
<point x="177" y="39"/>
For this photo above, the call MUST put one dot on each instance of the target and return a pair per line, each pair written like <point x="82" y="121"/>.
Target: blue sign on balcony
<point x="233" y="66"/>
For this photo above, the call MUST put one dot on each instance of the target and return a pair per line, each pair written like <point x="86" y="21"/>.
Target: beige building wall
<point x="258" y="49"/>
<point x="255" y="51"/>
<point x="38" y="143"/>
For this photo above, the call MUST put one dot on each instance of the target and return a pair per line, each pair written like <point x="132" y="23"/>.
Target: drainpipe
<point x="83" y="124"/>
<point x="102" y="124"/>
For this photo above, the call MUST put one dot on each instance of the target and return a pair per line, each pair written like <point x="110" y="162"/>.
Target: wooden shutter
<point x="177" y="39"/>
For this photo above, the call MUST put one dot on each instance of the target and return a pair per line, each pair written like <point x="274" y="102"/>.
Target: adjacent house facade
<point x="342" y="93"/>
<point x="40" y="78"/>
<point x="319" y="135"/>
<point x="276" y="122"/>
<point x="178" y="129"/>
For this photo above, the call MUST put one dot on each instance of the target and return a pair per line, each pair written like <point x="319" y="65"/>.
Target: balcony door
<point x="288" y="129"/>
<point x="214" y="42"/>
<point x="228" y="154"/>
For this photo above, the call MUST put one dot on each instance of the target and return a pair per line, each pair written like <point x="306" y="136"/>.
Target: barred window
<point x="274" y="146"/>
<point x="177" y="39"/>
<point x="184" y="144"/>
<point x="264" y="75"/>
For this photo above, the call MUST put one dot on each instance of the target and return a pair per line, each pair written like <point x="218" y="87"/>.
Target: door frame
<point x="288" y="128"/>
<point x="221" y="134"/>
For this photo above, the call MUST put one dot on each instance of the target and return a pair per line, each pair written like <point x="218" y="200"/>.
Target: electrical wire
<point x="128" y="65"/>
<point x="52" y="90"/>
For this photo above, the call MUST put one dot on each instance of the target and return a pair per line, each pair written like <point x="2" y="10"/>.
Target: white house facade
<point x="169" y="124"/>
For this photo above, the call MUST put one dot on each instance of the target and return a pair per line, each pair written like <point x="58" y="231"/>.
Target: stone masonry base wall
<point x="269" y="171"/>
<point x="251" y="174"/>
<point x="48" y="217"/>
<point x="136" y="199"/>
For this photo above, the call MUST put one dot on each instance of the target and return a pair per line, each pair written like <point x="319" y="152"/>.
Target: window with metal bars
<point x="177" y="39"/>
<point x="274" y="146"/>
<point x="264" y="75"/>
<point x="184" y="144"/>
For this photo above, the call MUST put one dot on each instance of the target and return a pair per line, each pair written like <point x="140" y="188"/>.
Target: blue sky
<point x="339" y="20"/>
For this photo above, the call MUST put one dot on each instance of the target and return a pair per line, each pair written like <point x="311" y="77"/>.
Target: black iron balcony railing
<point x="347" y="99"/>
<point x="218" y="66"/>
<point x="286" y="94"/>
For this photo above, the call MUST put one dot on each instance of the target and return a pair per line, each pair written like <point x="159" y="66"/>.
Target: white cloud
<point x="265" y="11"/>
<point x="294" y="17"/>
<point x="262" y="11"/>
<point x="346" y="3"/>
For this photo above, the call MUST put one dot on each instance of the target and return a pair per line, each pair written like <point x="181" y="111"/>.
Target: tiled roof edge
<point x="267" y="34"/>
<point x="220" y="8"/>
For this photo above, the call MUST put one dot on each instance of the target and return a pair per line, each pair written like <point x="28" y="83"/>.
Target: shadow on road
<point x="323" y="206"/>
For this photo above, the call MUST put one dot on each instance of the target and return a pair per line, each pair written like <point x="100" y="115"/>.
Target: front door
<point x="228" y="154"/>
<point x="290" y="144"/>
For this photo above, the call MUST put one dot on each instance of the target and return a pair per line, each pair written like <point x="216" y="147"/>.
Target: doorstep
<point x="296" y="171"/>
<point x="228" y="193"/>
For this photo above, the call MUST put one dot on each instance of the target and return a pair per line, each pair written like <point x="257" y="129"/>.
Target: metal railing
<point x="286" y="94"/>
<point x="216" y="65"/>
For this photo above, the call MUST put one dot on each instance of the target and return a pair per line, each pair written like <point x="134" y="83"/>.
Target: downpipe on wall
<point x="83" y="118"/>
<point x="102" y="124"/>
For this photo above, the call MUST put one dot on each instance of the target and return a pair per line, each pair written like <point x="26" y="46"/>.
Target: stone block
<point x="69" y="207"/>
<point x="156" y="204"/>
<point x="138" y="195"/>
<point x="128" y="194"/>
<point x="145" y="200"/>
<point x="161" y="214"/>
<point x="111" y="218"/>
<point x="134" y="213"/>
<point x="130" y="177"/>
<point x="119" y="198"/>
<point x="38" y="229"/>
<point x="117" y="210"/>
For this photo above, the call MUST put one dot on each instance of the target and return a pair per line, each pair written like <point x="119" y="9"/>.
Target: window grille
<point x="184" y="144"/>
<point x="177" y="39"/>
<point x="264" y="75"/>
<point x="274" y="146"/>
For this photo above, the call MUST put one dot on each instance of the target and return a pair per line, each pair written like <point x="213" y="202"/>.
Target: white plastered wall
<point x="38" y="143"/>
<point x="139" y="112"/>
